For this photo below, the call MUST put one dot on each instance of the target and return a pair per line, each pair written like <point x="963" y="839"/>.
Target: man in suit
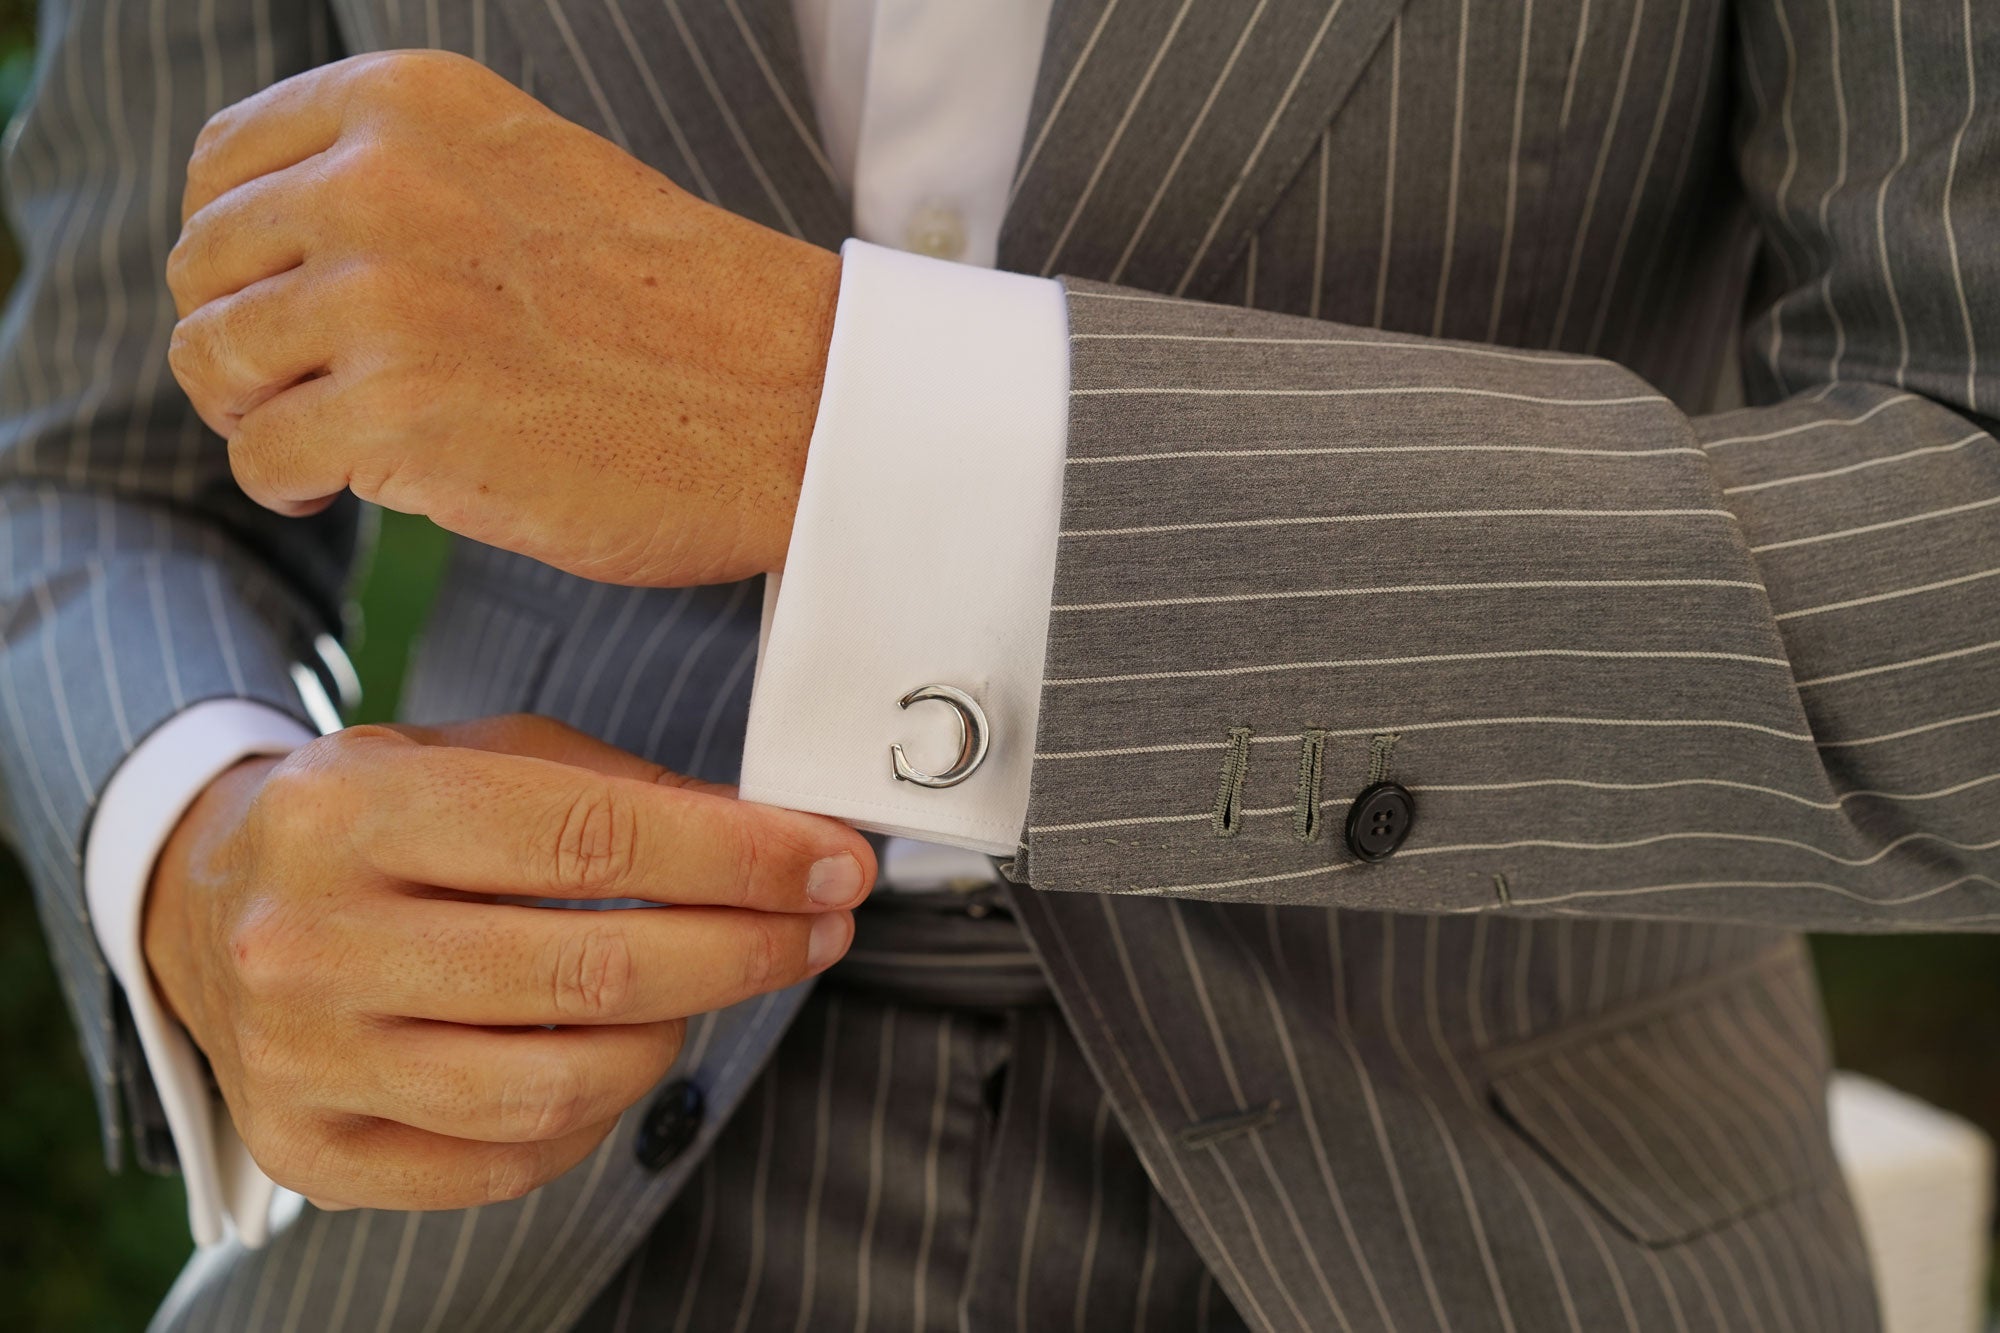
<point x="1415" y="707"/>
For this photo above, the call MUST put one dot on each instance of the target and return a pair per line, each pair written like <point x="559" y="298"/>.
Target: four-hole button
<point x="1379" y="821"/>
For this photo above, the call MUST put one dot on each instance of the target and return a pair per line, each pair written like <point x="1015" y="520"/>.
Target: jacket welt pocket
<point x="1698" y="1109"/>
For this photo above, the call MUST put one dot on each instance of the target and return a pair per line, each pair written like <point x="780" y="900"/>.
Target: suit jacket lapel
<point x="710" y="92"/>
<point x="1161" y="133"/>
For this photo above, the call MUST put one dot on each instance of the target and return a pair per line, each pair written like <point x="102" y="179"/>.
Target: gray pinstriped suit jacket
<point x="1669" y="683"/>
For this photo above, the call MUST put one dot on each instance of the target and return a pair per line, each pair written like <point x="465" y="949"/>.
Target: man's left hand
<point x="401" y="275"/>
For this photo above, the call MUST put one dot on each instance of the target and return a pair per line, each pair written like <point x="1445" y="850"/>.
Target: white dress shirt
<point x="923" y="552"/>
<point x="924" y="547"/>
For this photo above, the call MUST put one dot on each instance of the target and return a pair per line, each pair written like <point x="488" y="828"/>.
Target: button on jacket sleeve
<point x="1627" y="659"/>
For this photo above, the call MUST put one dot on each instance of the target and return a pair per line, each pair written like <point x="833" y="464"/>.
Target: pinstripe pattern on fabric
<point x="1787" y="723"/>
<point x="114" y="494"/>
<point x="1642" y="1110"/>
<point x="1580" y="608"/>
<point x="135" y="579"/>
<point x="1388" y="1168"/>
<point x="1132" y="172"/>
<point x="520" y="1265"/>
<point x="712" y="94"/>
<point x="989" y="1182"/>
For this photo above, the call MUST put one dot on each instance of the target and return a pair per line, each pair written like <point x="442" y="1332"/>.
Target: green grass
<point x="79" y="1250"/>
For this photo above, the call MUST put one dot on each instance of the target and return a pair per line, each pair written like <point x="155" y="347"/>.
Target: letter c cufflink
<point x="972" y="737"/>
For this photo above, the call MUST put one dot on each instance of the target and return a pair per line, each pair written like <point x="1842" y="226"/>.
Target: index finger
<point x="273" y="128"/>
<point x="493" y="823"/>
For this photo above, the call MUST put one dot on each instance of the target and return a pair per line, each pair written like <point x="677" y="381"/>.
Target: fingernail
<point x="834" y="881"/>
<point x="827" y="942"/>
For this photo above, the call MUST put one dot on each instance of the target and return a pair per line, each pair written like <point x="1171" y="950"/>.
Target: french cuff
<point x="923" y="553"/>
<point x="136" y="814"/>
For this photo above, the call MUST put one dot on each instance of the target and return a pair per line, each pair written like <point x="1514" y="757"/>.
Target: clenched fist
<point x="387" y="1031"/>
<point x="400" y="275"/>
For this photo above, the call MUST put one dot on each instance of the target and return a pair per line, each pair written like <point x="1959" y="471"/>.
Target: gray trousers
<point x="915" y="1158"/>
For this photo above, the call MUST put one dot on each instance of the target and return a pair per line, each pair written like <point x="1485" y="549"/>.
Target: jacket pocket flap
<point x="1688" y="1115"/>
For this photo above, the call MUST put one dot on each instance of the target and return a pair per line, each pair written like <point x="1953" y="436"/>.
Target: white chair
<point x="1922" y="1181"/>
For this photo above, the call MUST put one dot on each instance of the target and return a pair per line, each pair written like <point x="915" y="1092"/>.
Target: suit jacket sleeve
<point x="1741" y="666"/>
<point x="135" y="578"/>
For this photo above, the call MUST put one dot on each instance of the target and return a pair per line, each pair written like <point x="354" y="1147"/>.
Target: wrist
<point x="174" y="914"/>
<point x="804" y="346"/>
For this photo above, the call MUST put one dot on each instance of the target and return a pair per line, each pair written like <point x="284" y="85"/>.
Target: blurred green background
<point x="82" y="1251"/>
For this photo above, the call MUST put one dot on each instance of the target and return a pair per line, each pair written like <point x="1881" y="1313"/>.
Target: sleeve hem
<point x="139" y="808"/>
<point x="923" y="551"/>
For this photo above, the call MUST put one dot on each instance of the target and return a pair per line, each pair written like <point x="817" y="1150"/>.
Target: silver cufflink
<point x="971" y="737"/>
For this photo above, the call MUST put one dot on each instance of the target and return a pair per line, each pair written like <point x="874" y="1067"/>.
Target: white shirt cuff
<point x="138" y="811"/>
<point x="923" y="552"/>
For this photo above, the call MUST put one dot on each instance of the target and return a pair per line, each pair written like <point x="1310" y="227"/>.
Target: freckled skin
<point x="324" y="927"/>
<point x="400" y="275"/>
<point x="464" y="306"/>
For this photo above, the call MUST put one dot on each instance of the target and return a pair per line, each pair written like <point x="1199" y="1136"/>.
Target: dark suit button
<point x="1379" y="820"/>
<point x="669" y="1126"/>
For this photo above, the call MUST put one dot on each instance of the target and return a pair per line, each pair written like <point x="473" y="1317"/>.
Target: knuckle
<point x="546" y="1103"/>
<point x="364" y="737"/>
<point x="364" y="170"/>
<point x="201" y="159"/>
<point x="267" y="952"/>
<point x="374" y="76"/>
<point x="296" y="800"/>
<point x="531" y="725"/>
<point x="763" y="957"/>
<point x="218" y="124"/>
<point x="596" y="842"/>
<point x="509" y="1174"/>
<point x="194" y="350"/>
<point x="372" y="478"/>
<point x="785" y="851"/>
<point x="257" y="468"/>
<point x="528" y="722"/>
<point x="390" y="69"/>
<point x="415" y="75"/>
<point x="180" y="260"/>
<point x="322" y="788"/>
<point x="595" y="974"/>
<point x="253" y="1126"/>
<point x="292" y="1157"/>
<point x="305" y="1151"/>
<point x="337" y="758"/>
<point x="747" y="861"/>
<point x="201" y="242"/>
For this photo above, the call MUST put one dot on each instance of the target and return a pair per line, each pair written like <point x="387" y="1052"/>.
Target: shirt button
<point x="1379" y="821"/>
<point x="936" y="230"/>
<point x="669" y="1125"/>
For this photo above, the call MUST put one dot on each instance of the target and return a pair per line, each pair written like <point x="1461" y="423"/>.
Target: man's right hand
<point x="387" y="1034"/>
